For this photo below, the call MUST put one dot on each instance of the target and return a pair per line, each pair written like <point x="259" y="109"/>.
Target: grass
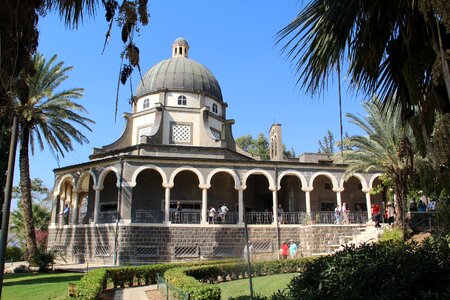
<point x="37" y="286"/>
<point x="263" y="286"/>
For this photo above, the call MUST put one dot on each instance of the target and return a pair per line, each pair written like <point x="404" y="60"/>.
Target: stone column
<point x="368" y="203"/>
<point x="308" y="191"/>
<point x="338" y="192"/>
<point x="75" y="207"/>
<point x="241" y="204"/>
<point x="55" y="210"/>
<point x="167" y="188"/>
<point x="97" y="202"/>
<point x="126" y="200"/>
<point x="275" y="206"/>
<point x="204" y="217"/>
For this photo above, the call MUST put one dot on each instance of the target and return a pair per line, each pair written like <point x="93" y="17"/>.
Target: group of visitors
<point x="217" y="215"/>
<point x="341" y="214"/>
<point x="420" y="206"/>
<point x="289" y="249"/>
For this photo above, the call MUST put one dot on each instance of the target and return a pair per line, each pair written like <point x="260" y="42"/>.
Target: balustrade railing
<point x="227" y="218"/>
<point x="258" y="217"/>
<point x="107" y="217"/>
<point x="85" y="218"/>
<point x="149" y="216"/>
<point x="185" y="217"/>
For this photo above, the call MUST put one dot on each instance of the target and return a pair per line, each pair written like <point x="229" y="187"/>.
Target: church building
<point x="150" y="196"/>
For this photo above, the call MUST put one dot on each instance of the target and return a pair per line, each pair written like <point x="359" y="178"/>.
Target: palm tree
<point x="394" y="49"/>
<point x="45" y="115"/>
<point x="41" y="219"/>
<point x="387" y="146"/>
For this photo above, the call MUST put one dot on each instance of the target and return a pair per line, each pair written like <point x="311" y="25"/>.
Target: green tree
<point x="20" y="37"/>
<point x="326" y="145"/>
<point x="46" y="116"/>
<point x="256" y="147"/>
<point x="387" y="146"/>
<point x="397" y="50"/>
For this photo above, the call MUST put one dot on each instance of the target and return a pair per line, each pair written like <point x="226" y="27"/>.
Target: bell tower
<point x="180" y="48"/>
<point x="275" y="143"/>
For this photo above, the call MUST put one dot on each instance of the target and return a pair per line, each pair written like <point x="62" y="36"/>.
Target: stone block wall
<point x="138" y="244"/>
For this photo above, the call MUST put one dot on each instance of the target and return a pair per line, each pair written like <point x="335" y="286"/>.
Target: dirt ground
<point x="419" y="237"/>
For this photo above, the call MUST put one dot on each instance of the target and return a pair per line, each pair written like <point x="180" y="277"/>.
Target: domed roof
<point x="180" y="73"/>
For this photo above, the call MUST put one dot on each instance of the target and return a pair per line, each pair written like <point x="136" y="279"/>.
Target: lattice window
<point x="59" y="248"/>
<point x="146" y="251"/>
<point x="78" y="249"/>
<point x="144" y="131"/>
<point x="262" y="246"/>
<point x="186" y="251"/>
<point x="181" y="133"/>
<point x="216" y="133"/>
<point x="102" y="251"/>
<point x="223" y="251"/>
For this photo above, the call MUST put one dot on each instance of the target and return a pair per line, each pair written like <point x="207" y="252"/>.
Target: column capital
<point x="240" y="188"/>
<point x="167" y="185"/>
<point x="307" y="188"/>
<point x="338" y="190"/>
<point x="204" y="186"/>
<point x="98" y="187"/>
<point x="368" y="190"/>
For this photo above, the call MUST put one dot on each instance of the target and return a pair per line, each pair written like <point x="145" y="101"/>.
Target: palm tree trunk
<point x="26" y="204"/>
<point x="401" y="192"/>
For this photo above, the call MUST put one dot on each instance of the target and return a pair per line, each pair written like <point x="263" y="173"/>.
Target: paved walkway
<point x="133" y="293"/>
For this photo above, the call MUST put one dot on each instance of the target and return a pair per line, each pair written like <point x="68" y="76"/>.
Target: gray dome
<point x="179" y="74"/>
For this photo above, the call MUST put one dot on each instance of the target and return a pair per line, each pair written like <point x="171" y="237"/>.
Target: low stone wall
<point x="140" y="244"/>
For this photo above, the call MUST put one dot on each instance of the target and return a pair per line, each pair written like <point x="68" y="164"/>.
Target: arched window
<point x="182" y="100"/>
<point x="146" y="104"/>
<point x="214" y="108"/>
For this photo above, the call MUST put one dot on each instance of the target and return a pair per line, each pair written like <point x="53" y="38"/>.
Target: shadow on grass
<point x="40" y="278"/>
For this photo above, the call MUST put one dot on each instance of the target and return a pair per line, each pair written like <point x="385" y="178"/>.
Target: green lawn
<point x="264" y="286"/>
<point x="37" y="286"/>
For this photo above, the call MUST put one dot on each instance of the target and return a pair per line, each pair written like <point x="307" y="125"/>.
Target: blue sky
<point x="234" y="39"/>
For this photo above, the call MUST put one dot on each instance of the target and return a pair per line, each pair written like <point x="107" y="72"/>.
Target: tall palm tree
<point x="394" y="49"/>
<point x="46" y="116"/>
<point x="387" y="146"/>
<point x="41" y="219"/>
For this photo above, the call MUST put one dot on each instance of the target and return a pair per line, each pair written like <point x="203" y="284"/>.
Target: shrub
<point x="389" y="270"/>
<point x="21" y="269"/>
<point x="92" y="284"/>
<point x="395" y="234"/>
<point x="13" y="253"/>
<point x="43" y="260"/>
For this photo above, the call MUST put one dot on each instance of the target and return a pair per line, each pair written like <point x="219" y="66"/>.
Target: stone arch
<point x="67" y="177"/>
<point x="147" y="167"/>
<point x="327" y="174"/>
<point x="186" y="168"/>
<point x="83" y="176"/>
<point x="259" y="172"/>
<point x="293" y="173"/>
<point x="101" y="177"/>
<point x="233" y="174"/>
<point x="372" y="179"/>
<point x="361" y="178"/>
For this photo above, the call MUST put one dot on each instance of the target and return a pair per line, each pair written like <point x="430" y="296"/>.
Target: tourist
<point x="359" y="213"/>
<point x="280" y="212"/>
<point x="376" y="215"/>
<point x="178" y="213"/>
<point x="412" y="205"/>
<point x="432" y="205"/>
<point x="212" y="214"/>
<point x="223" y="212"/>
<point x="390" y="213"/>
<point x="422" y="206"/>
<point x="65" y="214"/>
<point x="284" y="250"/>
<point x="292" y="249"/>
<point x="345" y="212"/>
<point x="337" y="215"/>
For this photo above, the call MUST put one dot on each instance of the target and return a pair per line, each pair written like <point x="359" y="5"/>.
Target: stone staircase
<point x="367" y="234"/>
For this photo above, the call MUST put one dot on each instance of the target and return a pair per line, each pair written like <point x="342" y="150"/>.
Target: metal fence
<point x="169" y="291"/>
<point x="149" y="216"/>
<point x="107" y="217"/>
<point x="185" y="217"/>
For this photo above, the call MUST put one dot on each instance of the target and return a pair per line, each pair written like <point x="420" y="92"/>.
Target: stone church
<point x="147" y="197"/>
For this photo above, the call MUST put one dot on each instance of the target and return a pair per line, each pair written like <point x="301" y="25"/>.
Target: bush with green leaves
<point x="394" y="234"/>
<point x="13" y="253"/>
<point x="387" y="270"/>
<point x="21" y="269"/>
<point x="44" y="260"/>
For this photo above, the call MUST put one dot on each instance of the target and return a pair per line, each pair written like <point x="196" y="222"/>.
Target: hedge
<point x="198" y="280"/>
<point x="94" y="282"/>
